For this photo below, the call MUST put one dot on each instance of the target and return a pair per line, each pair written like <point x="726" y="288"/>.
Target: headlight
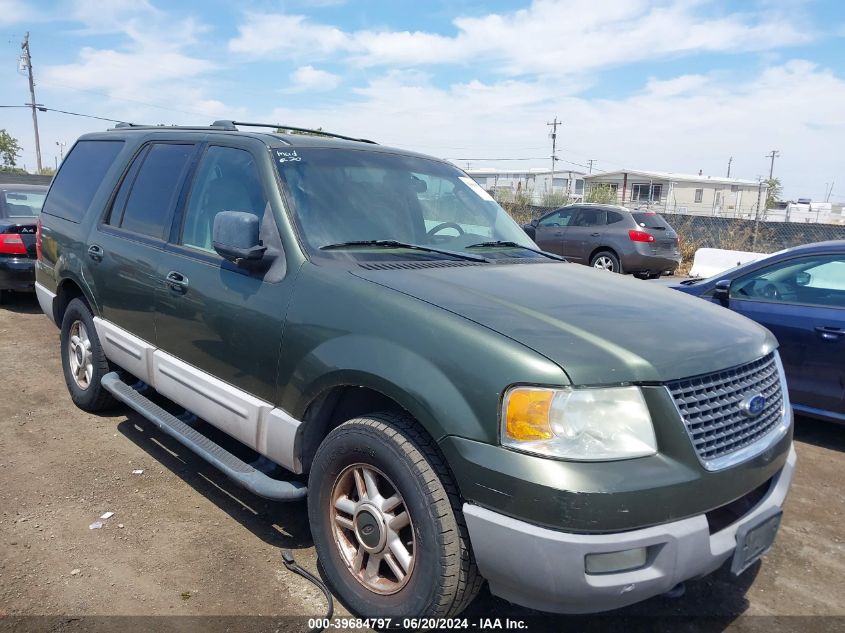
<point x="591" y="424"/>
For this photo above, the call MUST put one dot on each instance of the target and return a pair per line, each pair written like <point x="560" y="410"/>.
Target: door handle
<point x="177" y="282"/>
<point x="558" y="233"/>
<point x="595" y="234"/>
<point x="829" y="333"/>
<point x="96" y="252"/>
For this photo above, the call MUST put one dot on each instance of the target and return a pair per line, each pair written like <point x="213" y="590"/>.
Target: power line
<point x="42" y="108"/>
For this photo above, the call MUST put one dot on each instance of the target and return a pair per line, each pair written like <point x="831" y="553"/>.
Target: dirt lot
<point x="184" y="540"/>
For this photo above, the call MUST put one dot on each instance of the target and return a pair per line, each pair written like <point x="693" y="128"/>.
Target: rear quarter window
<point x="79" y="178"/>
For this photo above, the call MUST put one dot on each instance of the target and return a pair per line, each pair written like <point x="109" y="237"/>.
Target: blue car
<point x="799" y="294"/>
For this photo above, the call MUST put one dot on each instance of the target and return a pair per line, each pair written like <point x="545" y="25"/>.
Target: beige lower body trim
<point x="45" y="300"/>
<point x="250" y="420"/>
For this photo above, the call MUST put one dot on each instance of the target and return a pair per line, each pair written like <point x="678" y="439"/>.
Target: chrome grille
<point x="710" y="407"/>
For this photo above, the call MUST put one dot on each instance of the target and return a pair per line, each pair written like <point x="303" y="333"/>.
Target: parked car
<point x="455" y="404"/>
<point x="20" y="206"/>
<point x="799" y="294"/>
<point x="610" y="238"/>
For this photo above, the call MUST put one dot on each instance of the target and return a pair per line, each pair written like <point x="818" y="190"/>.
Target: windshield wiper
<point x="690" y="282"/>
<point x="508" y="244"/>
<point x="398" y="244"/>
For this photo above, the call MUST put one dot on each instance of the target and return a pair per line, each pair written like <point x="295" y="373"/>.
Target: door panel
<point x="222" y="319"/>
<point x="551" y="230"/>
<point x="584" y="234"/>
<point x="802" y="301"/>
<point x="812" y="347"/>
<point x="122" y="254"/>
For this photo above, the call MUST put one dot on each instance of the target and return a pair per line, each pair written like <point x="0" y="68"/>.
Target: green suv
<point x="455" y="404"/>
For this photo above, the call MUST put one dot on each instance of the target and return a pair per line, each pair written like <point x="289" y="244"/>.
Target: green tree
<point x="9" y="151"/>
<point x="601" y="193"/>
<point x="773" y="193"/>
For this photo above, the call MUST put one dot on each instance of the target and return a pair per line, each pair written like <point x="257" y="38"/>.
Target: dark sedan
<point x="799" y="294"/>
<point x="20" y="206"/>
<point x="609" y="237"/>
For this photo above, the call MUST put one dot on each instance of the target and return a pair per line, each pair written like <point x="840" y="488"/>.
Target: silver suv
<point x="609" y="237"/>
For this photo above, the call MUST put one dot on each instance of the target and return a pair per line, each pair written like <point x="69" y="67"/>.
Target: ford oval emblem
<point x="753" y="405"/>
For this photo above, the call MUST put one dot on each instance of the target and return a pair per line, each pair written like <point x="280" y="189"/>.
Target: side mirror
<point x="722" y="291"/>
<point x="235" y="237"/>
<point x="801" y="279"/>
<point x="530" y="230"/>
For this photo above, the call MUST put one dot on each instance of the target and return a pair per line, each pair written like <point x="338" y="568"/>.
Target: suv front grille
<point x="712" y="411"/>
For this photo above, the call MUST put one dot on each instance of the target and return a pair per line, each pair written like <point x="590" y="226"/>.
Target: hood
<point x="600" y="328"/>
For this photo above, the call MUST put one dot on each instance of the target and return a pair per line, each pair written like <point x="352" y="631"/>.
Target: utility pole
<point x="591" y="161"/>
<point x="26" y="59"/>
<point x="554" y="125"/>
<point x="775" y="154"/>
<point x="757" y="212"/>
<point x="829" y="191"/>
<point x="730" y="160"/>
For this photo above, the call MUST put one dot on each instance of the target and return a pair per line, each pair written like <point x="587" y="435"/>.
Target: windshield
<point x="342" y="195"/>
<point x="22" y="204"/>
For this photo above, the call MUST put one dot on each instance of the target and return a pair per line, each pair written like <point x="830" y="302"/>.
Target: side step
<point x="233" y="467"/>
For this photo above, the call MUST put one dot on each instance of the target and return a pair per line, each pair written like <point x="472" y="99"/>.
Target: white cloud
<point x="289" y="36"/>
<point x="310" y="79"/>
<point x="685" y="124"/>
<point x="15" y="12"/>
<point x="550" y="36"/>
<point x="152" y="66"/>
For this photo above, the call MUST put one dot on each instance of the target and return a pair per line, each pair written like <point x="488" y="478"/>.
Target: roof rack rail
<point x="231" y="125"/>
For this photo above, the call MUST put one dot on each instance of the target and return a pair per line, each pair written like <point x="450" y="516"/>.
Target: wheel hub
<point x="370" y="529"/>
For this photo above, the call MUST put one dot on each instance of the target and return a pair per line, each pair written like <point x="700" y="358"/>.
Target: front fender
<point x="411" y="380"/>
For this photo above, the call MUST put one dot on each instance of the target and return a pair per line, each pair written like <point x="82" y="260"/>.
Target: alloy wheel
<point x="79" y="355"/>
<point x="604" y="263"/>
<point x="372" y="529"/>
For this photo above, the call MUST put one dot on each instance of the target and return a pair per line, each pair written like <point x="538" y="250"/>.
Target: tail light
<point x="38" y="253"/>
<point x="12" y="244"/>
<point x="640" y="236"/>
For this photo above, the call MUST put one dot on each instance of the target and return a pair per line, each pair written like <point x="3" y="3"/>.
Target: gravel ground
<point x="184" y="540"/>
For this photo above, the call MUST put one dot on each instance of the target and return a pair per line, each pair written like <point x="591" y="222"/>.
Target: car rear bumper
<point x="545" y="569"/>
<point x="641" y="263"/>
<point x="17" y="273"/>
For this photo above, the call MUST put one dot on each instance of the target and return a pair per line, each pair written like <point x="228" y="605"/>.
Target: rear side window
<point x="154" y="192"/>
<point x="650" y="220"/>
<point x="591" y="217"/>
<point x="613" y="217"/>
<point x="79" y="178"/>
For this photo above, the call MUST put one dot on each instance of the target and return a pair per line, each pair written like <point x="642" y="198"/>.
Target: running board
<point x="233" y="467"/>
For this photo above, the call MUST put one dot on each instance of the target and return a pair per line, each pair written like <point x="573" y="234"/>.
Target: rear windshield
<point x="650" y="220"/>
<point x="22" y="204"/>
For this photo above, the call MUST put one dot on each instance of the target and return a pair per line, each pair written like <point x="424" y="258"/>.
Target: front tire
<point x="386" y="521"/>
<point x="83" y="360"/>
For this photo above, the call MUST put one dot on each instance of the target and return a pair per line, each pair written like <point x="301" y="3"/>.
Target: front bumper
<point x="17" y="273"/>
<point x="544" y="569"/>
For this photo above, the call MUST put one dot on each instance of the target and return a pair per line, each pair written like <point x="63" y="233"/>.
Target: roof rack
<point x="231" y="125"/>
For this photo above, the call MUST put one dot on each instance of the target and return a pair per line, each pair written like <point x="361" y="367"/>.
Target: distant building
<point x="805" y="210"/>
<point x="536" y="182"/>
<point x="682" y="193"/>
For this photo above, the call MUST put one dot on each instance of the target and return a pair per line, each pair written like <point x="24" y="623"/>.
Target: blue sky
<point x="675" y="85"/>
